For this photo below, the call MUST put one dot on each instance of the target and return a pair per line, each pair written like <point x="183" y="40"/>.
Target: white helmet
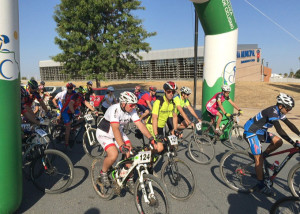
<point x="186" y="90"/>
<point x="226" y="88"/>
<point x="128" y="97"/>
<point x="285" y="100"/>
<point x="110" y="88"/>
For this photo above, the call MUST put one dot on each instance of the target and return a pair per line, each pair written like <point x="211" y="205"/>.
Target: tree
<point x="291" y="75"/>
<point x="285" y="75"/>
<point x="99" y="36"/>
<point x="24" y="78"/>
<point x="297" y="74"/>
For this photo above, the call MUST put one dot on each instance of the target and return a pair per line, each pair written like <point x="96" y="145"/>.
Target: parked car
<point x="100" y="93"/>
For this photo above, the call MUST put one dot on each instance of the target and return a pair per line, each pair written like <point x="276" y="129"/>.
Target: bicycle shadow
<point x="76" y="175"/>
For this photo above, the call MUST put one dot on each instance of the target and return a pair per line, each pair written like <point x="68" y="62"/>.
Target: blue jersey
<point x="260" y="123"/>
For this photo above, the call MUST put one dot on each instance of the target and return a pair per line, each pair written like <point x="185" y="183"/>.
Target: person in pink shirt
<point x="215" y="103"/>
<point x="144" y="103"/>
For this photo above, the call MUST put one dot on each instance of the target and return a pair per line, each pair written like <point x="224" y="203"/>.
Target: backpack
<point x="142" y="93"/>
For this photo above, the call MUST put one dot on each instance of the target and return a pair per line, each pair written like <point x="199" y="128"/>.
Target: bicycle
<point x="241" y="174"/>
<point x="51" y="171"/>
<point x="91" y="146"/>
<point x="286" y="205"/>
<point x="235" y="132"/>
<point x="148" y="191"/>
<point x="176" y="175"/>
<point x="200" y="147"/>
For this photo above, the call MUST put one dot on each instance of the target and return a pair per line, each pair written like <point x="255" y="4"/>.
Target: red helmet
<point x="170" y="86"/>
<point x="70" y="85"/>
<point x="152" y="88"/>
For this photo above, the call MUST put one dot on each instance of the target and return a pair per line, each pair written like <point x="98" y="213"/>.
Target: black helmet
<point x="42" y="83"/>
<point x="33" y="84"/>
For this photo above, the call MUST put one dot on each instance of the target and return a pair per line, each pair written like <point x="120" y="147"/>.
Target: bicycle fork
<point x="141" y="180"/>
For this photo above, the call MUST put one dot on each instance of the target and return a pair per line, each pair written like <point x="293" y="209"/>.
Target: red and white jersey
<point x="115" y="114"/>
<point x="213" y="102"/>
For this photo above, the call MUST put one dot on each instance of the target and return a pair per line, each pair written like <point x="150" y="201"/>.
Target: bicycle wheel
<point x="201" y="149"/>
<point x="90" y="144"/>
<point x="236" y="139"/>
<point x="294" y="180"/>
<point x="208" y="129"/>
<point x="154" y="192"/>
<point x="287" y="205"/>
<point x="52" y="172"/>
<point x="104" y="192"/>
<point x="178" y="179"/>
<point x="238" y="171"/>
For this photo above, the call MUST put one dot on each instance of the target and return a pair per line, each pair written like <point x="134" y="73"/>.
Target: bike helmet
<point x="81" y="90"/>
<point x="33" y="84"/>
<point x="186" y="90"/>
<point x="128" y="97"/>
<point x="152" y="88"/>
<point x="285" y="100"/>
<point x="138" y="87"/>
<point x="226" y="88"/>
<point x="89" y="83"/>
<point x="42" y="83"/>
<point x="170" y="86"/>
<point x="70" y="85"/>
<point x="110" y="88"/>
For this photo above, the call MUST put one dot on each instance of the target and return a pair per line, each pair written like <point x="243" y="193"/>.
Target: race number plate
<point x="26" y="126"/>
<point x="88" y="117"/>
<point x="173" y="140"/>
<point x="41" y="132"/>
<point x="198" y="126"/>
<point x="143" y="157"/>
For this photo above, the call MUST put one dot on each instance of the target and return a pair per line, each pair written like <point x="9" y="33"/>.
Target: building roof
<point x="163" y="54"/>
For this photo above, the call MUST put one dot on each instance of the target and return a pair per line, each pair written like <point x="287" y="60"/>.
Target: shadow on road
<point x="85" y="176"/>
<point x="92" y="211"/>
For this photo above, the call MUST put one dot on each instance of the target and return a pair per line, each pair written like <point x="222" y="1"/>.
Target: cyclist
<point x="64" y="96"/>
<point x="109" y="99"/>
<point x="42" y="83"/>
<point x="89" y="90"/>
<point x="181" y="101"/>
<point x="256" y="131"/>
<point x="215" y="103"/>
<point x="70" y="110"/>
<point x="111" y="136"/>
<point x="137" y="90"/>
<point x="163" y="108"/>
<point x="144" y="103"/>
<point x="30" y="95"/>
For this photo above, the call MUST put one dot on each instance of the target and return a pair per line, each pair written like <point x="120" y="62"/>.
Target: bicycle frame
<point x="292" y="152"/>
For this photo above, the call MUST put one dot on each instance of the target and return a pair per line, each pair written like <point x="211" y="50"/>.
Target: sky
<point x="273" y="25"/>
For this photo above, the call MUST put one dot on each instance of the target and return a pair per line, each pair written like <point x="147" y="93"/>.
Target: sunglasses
<point x="170" y="91"/>
<point x="69" y="88"/>
<point x="132" y="105"/>
<point x="288" y="108"/>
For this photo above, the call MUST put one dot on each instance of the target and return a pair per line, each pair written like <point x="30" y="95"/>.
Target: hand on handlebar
<point x="240" y="111"/>
<point x="159" y="138"/>
<point x="297" y="144"/>
<point x="124" y="149"/>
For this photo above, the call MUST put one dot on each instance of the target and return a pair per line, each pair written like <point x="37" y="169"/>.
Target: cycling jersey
<point x="264" y="120"/>
<point x="146" y="97"/>
<point x="63" y="97"/>
<point x="163" y="109"/>
<point x="115" y="114"/>
<point x="180" y="102"/>
<point x="212" y="105"/>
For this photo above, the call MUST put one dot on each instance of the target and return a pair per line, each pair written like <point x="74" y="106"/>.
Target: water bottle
<point x="123" y="172"/>
<point x="275" y="165"/>
<point x="222" y="126"/>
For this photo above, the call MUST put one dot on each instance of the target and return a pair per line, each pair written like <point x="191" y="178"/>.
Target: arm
<point x="149" y="104"/>
<point x="141" y="126"/>
<point x="71" y="106"/>
<point x="292" y="127"/>
<point x="43" y="105"/>
<point x="193" y="112"/>
<point x="183" y="114"/>
<point x="54" y="102"/>
<point x="175" y="121"/>
<point x="221" y="107"/>
<point x="87" y="104"/>
<point x="36" y="109"/>
<point x="30" y="115"/>
<point x="155" y="123"/>
<point x="117" y="135"/>
<point x="233" y="104"/>
<point x="281" y="132"/>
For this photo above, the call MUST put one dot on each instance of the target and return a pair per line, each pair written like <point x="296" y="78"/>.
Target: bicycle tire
<point x="293" y="174"/>
<point x="243" y="176"/>
<point x="174" y="175"/>
<point x="286" y="205"/>
<point x="159" y="191"/>
<point x="61" y="171"/>
<point x="94" y="149"/>
<point x="209" y="131"/>
<point x="201" y="149"/>
<point x="95" y="173"/>
<point x="236" y="139"/>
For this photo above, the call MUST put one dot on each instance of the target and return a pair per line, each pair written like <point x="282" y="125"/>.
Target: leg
<point x="220" y="117"/>
<point x="259" y="167"/>
<point x="275" y="144"/>
<point x="145" y="114"/>
<point x="67" y="134"/>
<point x="112" y="155"/>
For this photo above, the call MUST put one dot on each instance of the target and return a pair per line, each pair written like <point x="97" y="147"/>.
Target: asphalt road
<point x="211" y="194"/>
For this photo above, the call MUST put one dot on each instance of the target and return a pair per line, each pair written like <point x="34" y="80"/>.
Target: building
<point x="172" y="64"/>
